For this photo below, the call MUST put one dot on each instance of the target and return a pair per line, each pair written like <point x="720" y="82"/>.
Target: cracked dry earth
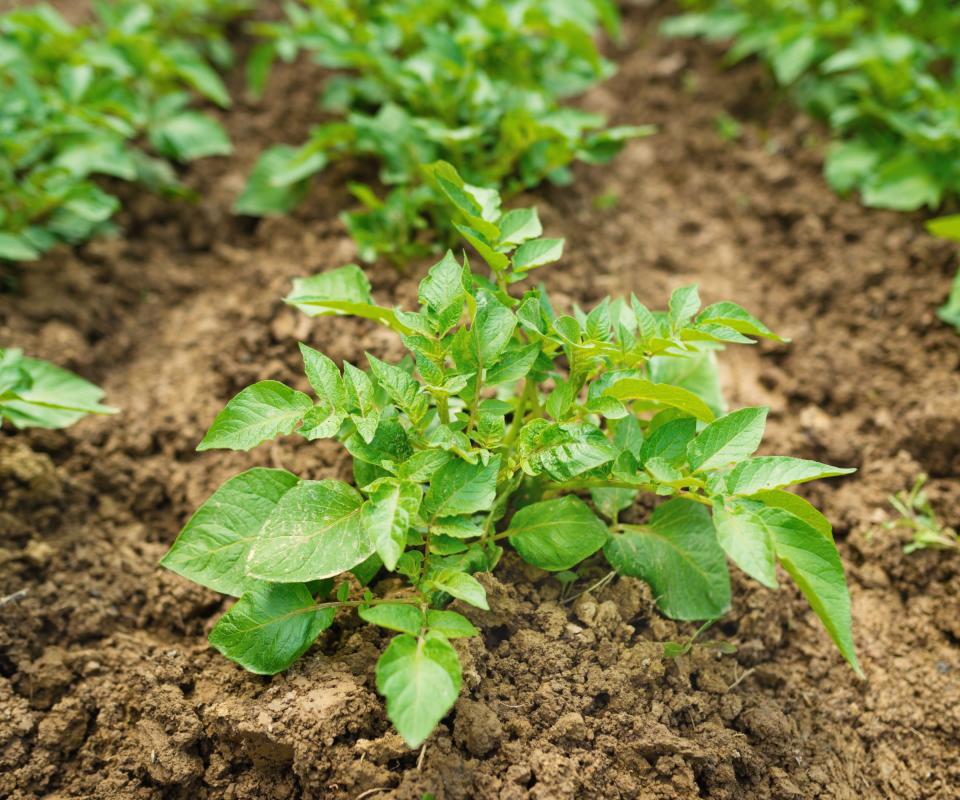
<point x="107" y="688"/>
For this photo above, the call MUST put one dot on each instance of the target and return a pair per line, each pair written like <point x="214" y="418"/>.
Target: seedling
<point x="881" y="74"/>
<point x="917" y="515"/>
<point x="110" y="98"/>
<point x="510" y="423"/>
<point x="38" y="394"/>
<point x="478" y="84"/>
<point x="728" y="128"/>
<point x="677" y="649"/>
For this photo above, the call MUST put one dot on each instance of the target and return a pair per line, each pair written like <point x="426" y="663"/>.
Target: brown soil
<point x="107" y="688"/>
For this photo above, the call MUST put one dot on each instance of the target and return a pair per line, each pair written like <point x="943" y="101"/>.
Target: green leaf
<point x="492" y="328"/>
<point x="536" y="253"/>
<point x="733" y="316"/>
<point x="443" y="293"/>
<point x="519" y="225"/>
<point x="261" y="197"/>
<point x="402" y="617"/>
<point x="684" y="303"/>
<point x="776" y="472"/>
<point x="513" y="364"/>
<point x="796" y="505"/>
<point x="558" y="534"/>
<point x="496" y="260"/>
<point x="677" y="553"/>
<point x="388" y="515"/>
<point x="744" y="535"/>
<point x="270" y="627"/>
<point x="55" y="397"/>
<point x="905" y="184"/>
<point x="945" y="227"/>
<point x="564" y="451"/>
<point x="260" y="412"/>
<point x="324" y="377"/>
<point x="461" y="488"/>
<point x="848" y="164"/>
<point x="670" y="441"/>
<point x="730" y="438"/>
<point x="611" y="502"/>
<point x="190" y="135"/>
<point x="462" y="586"/>
<point x="422" y="465"/>
<point x="400" y="386"/>
<point x="341" y="291"/>
<point x="695" y="372"/>
<point x="472" y="202"/>
<point x="321" y="423"/>
<point x="213" y="546"/>
<point x="949" y="312"/>
<point x="793" y="57"/>
<point x="661" y="394"/>
<point x="420" y="678"/>
<point x="314" y="532"/>
<point x="450" y="624"/>
<point x="814" y="564"/>
<point x="198" y="73"/>
<point x="16" y="248"/>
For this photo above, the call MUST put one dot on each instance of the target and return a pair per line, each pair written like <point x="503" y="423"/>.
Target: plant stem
<point x="443" y="408"/>
<point x="529" y="393"/>
<point x="356" y="603"/>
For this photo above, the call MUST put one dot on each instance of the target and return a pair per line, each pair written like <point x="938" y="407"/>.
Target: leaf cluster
<point x="479" y="84"/>
<point x="38" y="394"/>
<point x="109" y="98"/>
<point x="509" y="423"/>
<point x="882" y="73"/>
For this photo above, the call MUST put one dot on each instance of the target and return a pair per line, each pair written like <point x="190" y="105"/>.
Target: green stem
<point x="443" y="408"/>
<point x="529" y="394"/>
<point x="587" y="484"/>
<point x="375" y="602"/>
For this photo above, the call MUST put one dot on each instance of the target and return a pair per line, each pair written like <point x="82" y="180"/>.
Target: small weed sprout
<point x="917" y="515"/>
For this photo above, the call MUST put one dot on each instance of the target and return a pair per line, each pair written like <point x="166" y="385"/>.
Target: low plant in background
<point x="38" y="394"/>
<point x="949" y="228"/>
<point x="110" y="98"/>
<point x="882" y="73"/>
<point x="479" y="84"/>
<point x="918" y="516"/>
<point x="508" y="423"/>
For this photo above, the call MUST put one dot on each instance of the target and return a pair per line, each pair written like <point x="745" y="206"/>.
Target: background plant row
<point x="480" y="84"/>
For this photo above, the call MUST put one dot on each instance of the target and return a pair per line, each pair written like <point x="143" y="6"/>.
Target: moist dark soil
<point x="107" y="686"/>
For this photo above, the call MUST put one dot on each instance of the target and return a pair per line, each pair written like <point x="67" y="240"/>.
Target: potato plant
<point x="509" y="424"/>
<point x="38" y="394"/>
<point x="111" y="98"/>
<point x="479" y="84"/>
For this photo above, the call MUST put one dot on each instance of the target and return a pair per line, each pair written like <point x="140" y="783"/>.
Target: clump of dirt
<point x="107" y="688"/>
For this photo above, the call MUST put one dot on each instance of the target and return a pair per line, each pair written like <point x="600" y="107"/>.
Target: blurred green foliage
<point x="111" y="97"/>
<point x="477" y="83"/>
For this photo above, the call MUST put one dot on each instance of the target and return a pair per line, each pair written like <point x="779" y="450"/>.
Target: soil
<point x="107" y="686"/>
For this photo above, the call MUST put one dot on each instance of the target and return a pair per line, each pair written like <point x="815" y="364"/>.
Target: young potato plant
<point x="479" y="84"/>
<point x="38" y="394"/>
<point x="883" y="74"/>
<point x="81" y="102"/>
<point x="508" y="424"/>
